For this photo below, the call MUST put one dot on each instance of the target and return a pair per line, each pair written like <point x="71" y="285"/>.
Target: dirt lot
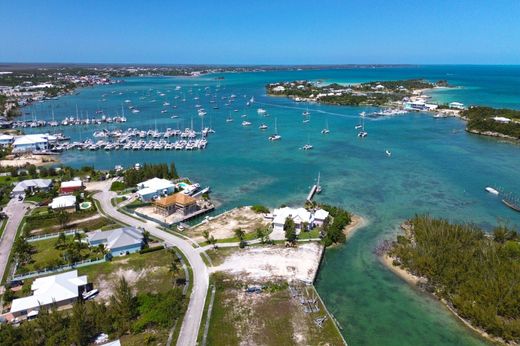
<point x="224" y="225"/>
<point x="274" y="262"/>
<point x="272" y="317"/>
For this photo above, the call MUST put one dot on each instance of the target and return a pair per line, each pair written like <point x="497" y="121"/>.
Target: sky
<point x="261" y="31"/>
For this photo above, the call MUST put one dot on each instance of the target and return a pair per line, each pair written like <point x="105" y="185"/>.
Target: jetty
<point x="316" y="188"/>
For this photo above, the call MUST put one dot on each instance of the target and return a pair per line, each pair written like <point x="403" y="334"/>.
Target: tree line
<point x="476" y="273"/>
<point x="481" y="119"/>
<point x="134" y="176"/>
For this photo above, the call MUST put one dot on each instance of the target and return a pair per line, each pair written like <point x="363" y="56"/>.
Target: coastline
<point x="30" y="159"/>
<point x="357" y="222"/>
<point x="413" y="280"/>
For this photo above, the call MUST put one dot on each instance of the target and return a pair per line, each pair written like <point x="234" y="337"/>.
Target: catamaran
<point x="362" y="133"/>
<point x="326" y="130"/>
<point x="307" y="146"/>
<point x="275" y="136"/>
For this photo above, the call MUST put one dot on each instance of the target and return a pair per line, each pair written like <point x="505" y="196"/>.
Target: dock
<point x="311" y="194"/>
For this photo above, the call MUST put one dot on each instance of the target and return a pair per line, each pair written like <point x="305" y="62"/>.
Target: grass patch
<point x="312" y="234"/>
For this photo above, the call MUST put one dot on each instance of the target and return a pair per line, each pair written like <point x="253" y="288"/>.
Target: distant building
<point x="154" y="188"/>
<point x="118" y="242"/>
<point x="72" y="186"/>
<point x="6" y="140"/>
<point x="60" y="289"/>
<point x="32" y="142"/>
<point x="64" y="203"/>
<point x="31" y="185"/>
<point x="279" y="88"/>
<point x="320" y="216"/>
<point x="178" y="202"/>
<point x="456" y="105"/>
<point x="502" y="120"/>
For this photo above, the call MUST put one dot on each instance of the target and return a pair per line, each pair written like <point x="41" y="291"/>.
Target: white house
<point x="319" y="217"/>
<point x="60" y="289"/>
<point x="299" y="216"/>
<point x="31" y="185"/>
<point x="279" y="88"/>
<point x="63" y="202"/>
<point x="154" y="188"/>
<point x="456" y="105"/>
<point x="502" y="120"/>
<point x="6" y="140"/>
<point x="32" y="142"/>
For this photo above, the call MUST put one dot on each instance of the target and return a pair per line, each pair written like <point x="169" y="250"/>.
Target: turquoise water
<point x="435" y="168"/>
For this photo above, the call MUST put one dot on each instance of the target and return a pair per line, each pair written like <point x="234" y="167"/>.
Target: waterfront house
<point x="178" y="202"/>
<point x="32" y="142"/>
<point x="320" y="216"/>
<point x="456" y="105"/>
<point x="6" y="140"/>
<point x="502" y="120"/>
<point x="31" y="185"/>
<point x="68" y="187"/>
<point x="60" y="289"/>
<point x="302" y="218"/>
<point x="154" y="188"/>
<point x="118" y="242"/>
<point x="67" y="203"/>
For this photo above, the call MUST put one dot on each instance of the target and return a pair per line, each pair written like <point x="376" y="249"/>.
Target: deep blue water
<point x="435" y="168"/>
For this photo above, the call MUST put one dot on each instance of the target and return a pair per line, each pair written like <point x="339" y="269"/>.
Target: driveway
<point x="192" y="319"/>
<point x="15" y="211"/>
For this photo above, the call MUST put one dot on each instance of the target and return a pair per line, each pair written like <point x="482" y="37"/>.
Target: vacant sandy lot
<point x="224" y="225"/>
<point x="274" y="262"/>
<point x="37" y="160"/>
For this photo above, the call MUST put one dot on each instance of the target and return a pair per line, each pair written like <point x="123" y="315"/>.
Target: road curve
<point x="192" y="318"/>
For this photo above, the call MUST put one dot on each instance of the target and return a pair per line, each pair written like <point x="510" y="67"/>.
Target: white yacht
<point x="263" y="127"/>
<point x="275" y="136"/>
<point x="326" y="130"/>
<point x="261" y="111"/>
<point x="246" y="123"/>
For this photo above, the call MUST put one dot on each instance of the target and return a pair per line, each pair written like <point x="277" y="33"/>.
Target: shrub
<point x="260" y="209"/>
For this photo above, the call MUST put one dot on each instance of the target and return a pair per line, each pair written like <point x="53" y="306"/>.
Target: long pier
<point x="311" y="194"/>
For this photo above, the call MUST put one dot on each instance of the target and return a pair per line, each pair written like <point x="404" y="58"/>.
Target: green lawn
<point x="314" y="233"/>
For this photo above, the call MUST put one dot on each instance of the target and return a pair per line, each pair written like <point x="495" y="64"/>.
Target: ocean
<point x="435" y="168"/>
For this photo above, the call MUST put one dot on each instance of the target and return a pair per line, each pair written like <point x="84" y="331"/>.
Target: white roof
<point x="299" y="215"/>
<point x="146" y="191"/>
<point x="4" y="137"/>
<point x="321" y="214"/>
<point x="46" y="290"/>
<point x="117" y="238"/>
<point x="502" y="119"/>
<point x="25" y="184"/>
<point x="156" y="184"/>
<point x="63" y="202"/>
<point x="32" y="139"/>
<point x="72" y="183"/>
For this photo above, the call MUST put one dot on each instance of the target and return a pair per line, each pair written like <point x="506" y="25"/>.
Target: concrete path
<point x="192" y="319"/>
<point x="15" y="211"/>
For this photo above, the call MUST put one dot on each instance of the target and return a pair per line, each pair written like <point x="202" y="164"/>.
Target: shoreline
<point x="30" y="159"/>
<point x="413" y="280"/>
<point x="357" y="222"/>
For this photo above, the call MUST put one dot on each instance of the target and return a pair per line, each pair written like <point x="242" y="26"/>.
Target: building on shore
<point x="119" y="242"/>
<point x="304" y="219"/>
<point x="59" y="290"/>
<point x="154" y="188"/>
<point x="31" y="185"/>
<point x="178" y="202"/>
<point x="6" y="140"/>
<point x="456" y="105"/>
<point x="32" y="142"/>
<point x="68" y="187"/>
<point x="67" y="203"/>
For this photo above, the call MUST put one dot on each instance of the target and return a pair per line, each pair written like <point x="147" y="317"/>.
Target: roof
<point x="46" y="290"/>
<point x="299" y="215"/>
<point x="63" y="202"/>
<point x="117" y="238"/>
<point x="321" y="214"/>
<point x="71" y="183"/>
<point x="4" y="137"/>
<point x="146" y="191"/>
<point x="176" y="198"/>
<point x="31" y="183"/>
<point x="156" y="183"/>
<point x="31" y="139"/>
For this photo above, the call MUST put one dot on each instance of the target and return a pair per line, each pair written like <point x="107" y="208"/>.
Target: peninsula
<point x="474" y="274"/>
<point x="487" y="121"/>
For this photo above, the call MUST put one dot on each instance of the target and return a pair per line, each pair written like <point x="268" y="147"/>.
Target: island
<point x="475" y="274"/>
<point x="377" y="93"/>
<point x="487" y="121"/>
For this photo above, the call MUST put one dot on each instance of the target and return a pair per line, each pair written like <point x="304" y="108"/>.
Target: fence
<point x="57" y="269"/>
<point x="53" y="235"/>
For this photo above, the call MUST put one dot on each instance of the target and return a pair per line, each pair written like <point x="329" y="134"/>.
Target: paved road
<point x="15" y="210"/>
<point x="192" y="319"/>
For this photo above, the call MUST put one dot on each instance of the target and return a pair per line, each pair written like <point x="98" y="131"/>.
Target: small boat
<point x="275" y="136"/>
<point x="388" y="153"/>
<point x="263" y="127"/>
<point x="326" y="130"/>
<point x="261" y="111"/>
<point x="492" y="191"/>
<point x="307" y="147"/>
<point x="229" y="119"/>
<point x="246" y="123"/>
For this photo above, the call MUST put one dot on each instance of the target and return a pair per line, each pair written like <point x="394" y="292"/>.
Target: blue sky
<point x="261" y="32"/>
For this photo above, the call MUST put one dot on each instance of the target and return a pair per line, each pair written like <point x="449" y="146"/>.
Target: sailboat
<point x="275" y="136"/>
<point x="318" y="186"/>
<point x="362" y="115"/>
<point x="326" y="130"/>
<point x="388" y="153"/>
<point x="229" y="119"/>
<point x="307" y="146"/>
<point x="306" y="113"/>
<point x="362" y="133"/>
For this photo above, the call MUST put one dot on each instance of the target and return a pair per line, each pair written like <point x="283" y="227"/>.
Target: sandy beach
<point x="413" y="280"/>
<point x="357" y="223"/>
<point x="29" y="159"/>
